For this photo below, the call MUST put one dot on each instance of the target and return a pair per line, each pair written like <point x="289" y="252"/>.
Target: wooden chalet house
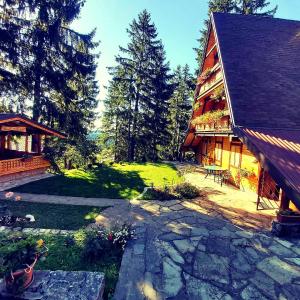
<point x="246" y="113"/>
<point x="21" y="147"/>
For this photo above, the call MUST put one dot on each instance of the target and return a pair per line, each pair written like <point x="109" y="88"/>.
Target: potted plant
<point x="244" y="176"/>
<point x="19" y="257"/>
<point x="288" y="216"/>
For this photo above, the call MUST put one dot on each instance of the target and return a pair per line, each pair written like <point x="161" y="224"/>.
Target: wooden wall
<point x="247" y="160"/>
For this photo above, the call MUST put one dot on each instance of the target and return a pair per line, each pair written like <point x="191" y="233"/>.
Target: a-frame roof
<point x="261" y="69"/>
<point x="12" y="119"/>
<point x="261" y="64"/>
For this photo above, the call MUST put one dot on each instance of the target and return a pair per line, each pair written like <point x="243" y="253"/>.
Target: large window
<point x="235" y="155"/>
<point x="218" y="153"/>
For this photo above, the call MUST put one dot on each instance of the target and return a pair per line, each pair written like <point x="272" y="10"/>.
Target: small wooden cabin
<point x="247" y="105"/>
<point x="21" y="146"/>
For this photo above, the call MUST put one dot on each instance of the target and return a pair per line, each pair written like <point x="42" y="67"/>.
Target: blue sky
<point x="178" y="23"/>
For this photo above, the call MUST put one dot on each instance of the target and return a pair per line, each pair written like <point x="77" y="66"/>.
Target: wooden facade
<point x="216" y="143"/>
<point x="21" y="147"/>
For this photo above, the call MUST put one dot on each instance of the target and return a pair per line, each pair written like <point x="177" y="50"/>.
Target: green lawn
<point x="117" y="181"/>
<point x="69" y="258"/>
<point x="54" y="216"/>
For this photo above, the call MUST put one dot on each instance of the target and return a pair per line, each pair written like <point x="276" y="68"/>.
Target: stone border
<point x="35" y="231"/>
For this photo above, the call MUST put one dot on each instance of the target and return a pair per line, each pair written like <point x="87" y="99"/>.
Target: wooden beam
<point x="284" y="201"/>
<point x="8" y="141"/>
<point x="13" y="128"/>
<point x="39" y="144"/>
<point x="26" y="143"/>
<point x="2" y="142"/>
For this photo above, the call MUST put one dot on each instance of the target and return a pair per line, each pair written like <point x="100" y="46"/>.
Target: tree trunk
<point x="132" y="142"/>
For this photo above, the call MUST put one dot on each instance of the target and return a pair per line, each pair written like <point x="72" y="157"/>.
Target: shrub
<point x="187" y="190"/>
<point x="160" y="194"/>
<point x="180" y="191"/>
<point x="102" y="242"/>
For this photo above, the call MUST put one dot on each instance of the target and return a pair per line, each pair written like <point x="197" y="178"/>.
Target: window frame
<point x="236" y="144"/>
<point x="219" y="162"/>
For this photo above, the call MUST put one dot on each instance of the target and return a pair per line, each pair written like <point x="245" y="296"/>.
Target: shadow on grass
<point x="103" y="182"/>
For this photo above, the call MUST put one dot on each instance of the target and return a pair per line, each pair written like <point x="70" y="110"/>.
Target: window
<point x="235" y="155"/>
<point x="218" y="153"/>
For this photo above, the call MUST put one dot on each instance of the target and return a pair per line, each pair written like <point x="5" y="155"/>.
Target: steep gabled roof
<point x="17" y="119"/>
<point x="261" y="63"/>
<point x="261" y="68"/>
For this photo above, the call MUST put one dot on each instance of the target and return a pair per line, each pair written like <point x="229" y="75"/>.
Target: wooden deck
<point x="16" y="165"/>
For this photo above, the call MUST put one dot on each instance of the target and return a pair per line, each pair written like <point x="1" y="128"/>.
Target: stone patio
<point x="183" y="253"/>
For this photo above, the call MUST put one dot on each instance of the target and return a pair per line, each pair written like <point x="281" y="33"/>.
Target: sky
<point x="178" y="23"/>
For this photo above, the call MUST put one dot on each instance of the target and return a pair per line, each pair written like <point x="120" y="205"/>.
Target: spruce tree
<point x="179" y="109"/>
<point x="145" y="82"/>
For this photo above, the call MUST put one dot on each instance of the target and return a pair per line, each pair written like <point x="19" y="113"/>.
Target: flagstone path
<point x="182" y="253"/>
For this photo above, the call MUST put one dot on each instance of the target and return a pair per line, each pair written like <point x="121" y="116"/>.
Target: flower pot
<point x="288" y="219"/>
<point x="20" y="280"/>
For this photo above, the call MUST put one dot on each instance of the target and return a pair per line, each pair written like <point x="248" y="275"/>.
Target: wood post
<point x="39" y="144"/>
<point x="26" y="143"/>
<point x="284" y="201"/>
<point x="8" y="141"/>
<point x="2" y="142"/>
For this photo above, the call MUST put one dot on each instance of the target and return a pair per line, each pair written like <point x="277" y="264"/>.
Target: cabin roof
<point x="18" y="120"/>
<point x="260" y="58"/>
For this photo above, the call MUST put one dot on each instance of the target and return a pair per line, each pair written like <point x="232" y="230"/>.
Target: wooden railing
<point x="10" y="166"/>
<point x="222" y="125"/>
<point x="216" y="78"/>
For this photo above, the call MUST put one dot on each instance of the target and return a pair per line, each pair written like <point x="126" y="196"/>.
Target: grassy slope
<point x="118" y="181"/>
<point x="55" y="216"/>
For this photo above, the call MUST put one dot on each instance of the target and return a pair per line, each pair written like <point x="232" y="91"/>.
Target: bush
<point x="160" y="194"/>
<point x="180" y="191"/>
<point x="99" y="243"/>
<point x="187" y="190"/>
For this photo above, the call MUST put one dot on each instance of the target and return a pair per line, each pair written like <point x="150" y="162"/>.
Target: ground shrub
<point x="159" y="194"/>
<point x="180" y="191"/>
<point x="187" y="190"/>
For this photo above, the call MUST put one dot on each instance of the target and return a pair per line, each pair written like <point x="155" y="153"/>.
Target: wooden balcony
<point x="211" y="83"/>
<point x="221" y="127"/>
<point x="16" y="165"/>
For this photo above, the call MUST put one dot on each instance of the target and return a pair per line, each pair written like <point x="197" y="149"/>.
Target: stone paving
<point x="180" y="252"/>
<point x="61" y="285"/>
<point x="17" y="182"/>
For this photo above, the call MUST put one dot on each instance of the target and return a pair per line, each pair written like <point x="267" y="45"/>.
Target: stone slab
<point x="61" y="285"/>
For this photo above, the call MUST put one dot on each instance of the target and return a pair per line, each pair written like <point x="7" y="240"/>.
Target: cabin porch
<point x="21" y="147"/>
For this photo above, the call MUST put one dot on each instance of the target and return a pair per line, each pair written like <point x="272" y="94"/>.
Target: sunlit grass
<point x="124" y="181"/>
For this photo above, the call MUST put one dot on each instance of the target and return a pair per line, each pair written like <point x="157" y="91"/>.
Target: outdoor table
<point x="215" y="171"/>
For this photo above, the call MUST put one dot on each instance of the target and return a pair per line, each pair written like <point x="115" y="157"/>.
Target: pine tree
<point x="48" y="66"/>
<point x="116" y="120"/>
<point x="179" y="109"/>
<point x="12" y="48"/>
<point x="256" y="7"/>
<point x="145" y="83"/>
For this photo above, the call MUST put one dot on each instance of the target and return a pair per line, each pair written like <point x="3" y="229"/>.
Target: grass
<point x="124" y="181"/>
<point x="55" y="216"/>
<point x="69" y="258"/>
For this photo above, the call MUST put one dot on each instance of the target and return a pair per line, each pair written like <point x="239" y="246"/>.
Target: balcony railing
<point x="10" y="166"/>
<point x="216" y="78"/>
<point x="221" y="126"/>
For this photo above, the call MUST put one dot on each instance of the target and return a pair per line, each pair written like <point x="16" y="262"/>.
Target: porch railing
<point x="10" y="166"/>
<point x="222" y="125"/>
